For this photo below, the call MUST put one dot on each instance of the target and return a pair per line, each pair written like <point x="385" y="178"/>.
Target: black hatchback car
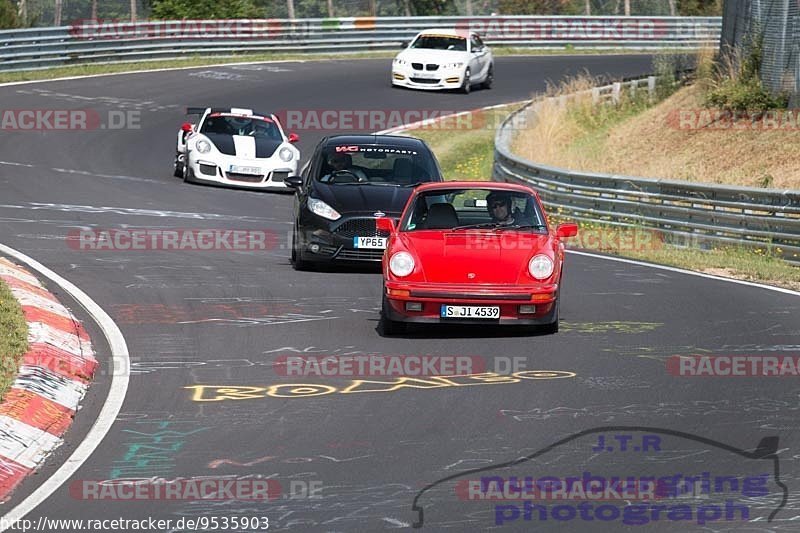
<point x="349" y="182"/>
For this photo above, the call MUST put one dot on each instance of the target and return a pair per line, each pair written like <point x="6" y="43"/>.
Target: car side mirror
<point x="570" y="229"/>
<point x="385" y="224"/>
<point x="295" y="182"/>
<point x="293" y="138"/>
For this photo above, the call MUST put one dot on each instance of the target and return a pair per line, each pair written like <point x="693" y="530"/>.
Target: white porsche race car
<point x="444" y="59"/>
<point x="236" y="147"/>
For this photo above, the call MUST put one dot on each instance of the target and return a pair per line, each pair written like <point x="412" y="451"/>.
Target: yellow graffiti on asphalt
<point x="219" y="393"/>
<point x="609" y="327"/>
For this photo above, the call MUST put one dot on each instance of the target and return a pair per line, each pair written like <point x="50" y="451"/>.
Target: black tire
<point x="466" y="87"/>
<point x="487" y="83"/>
<point x="389" y="326"/>
<point x="188" y="174"/>
<point x="552" y="327"/>
<point x="298" y="263"/>
<point x="178" y="168"/>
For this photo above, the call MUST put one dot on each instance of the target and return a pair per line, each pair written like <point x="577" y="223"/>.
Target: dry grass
<point x="675" y="139"/>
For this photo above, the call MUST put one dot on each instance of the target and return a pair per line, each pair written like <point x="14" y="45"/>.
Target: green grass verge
<point x="205" y="60"/>
<point x="469" y="155"/>
<point x="13" y="337"/>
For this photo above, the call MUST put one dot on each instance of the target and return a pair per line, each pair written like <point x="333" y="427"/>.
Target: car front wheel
<point x="178" y="169"/>
<point x="466" y="86"/>
<point x="389" y="326"/>
<point x="297" y="258"/>
<point x="487" y="83"/>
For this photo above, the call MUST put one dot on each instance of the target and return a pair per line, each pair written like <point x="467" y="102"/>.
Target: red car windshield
<point x="474" y="208"/>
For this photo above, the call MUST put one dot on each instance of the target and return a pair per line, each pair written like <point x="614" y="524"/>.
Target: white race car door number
<point x="370" y="243"/>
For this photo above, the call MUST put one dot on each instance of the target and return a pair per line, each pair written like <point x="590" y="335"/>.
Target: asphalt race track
<point x="367" y="449"/>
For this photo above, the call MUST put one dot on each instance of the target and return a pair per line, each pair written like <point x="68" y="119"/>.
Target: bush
<point x="737" y="88"/>
<point x="8" y="15"/>
<point x="744" y="96"/>
<point x="204" y="9"/>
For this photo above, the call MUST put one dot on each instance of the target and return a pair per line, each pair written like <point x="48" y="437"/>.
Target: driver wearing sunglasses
<point x="499" y="207"/>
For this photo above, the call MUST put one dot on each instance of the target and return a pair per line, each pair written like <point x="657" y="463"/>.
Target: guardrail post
<point x="595" y="95"/>
<point x="651" y="85"/>
<point x="616" y="88"/>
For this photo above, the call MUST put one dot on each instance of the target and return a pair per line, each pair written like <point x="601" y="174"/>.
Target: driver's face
<point x="339" y="163"/>
<point x="499" y="210"/>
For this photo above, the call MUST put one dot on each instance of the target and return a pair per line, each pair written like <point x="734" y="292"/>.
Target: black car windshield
<point x="229" y="124"/>
<point x="440" y="42"/>
<point x="465" y="209"/>
<point x="391" y="166"/>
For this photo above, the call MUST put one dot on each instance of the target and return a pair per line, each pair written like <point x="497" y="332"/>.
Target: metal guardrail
<point x="686" y="214"/>
<point x="100" y="41"/>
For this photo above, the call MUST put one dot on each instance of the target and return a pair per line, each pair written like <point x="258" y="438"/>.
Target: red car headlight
<point x="401" y="264"/>
<point x="540" y="267"/>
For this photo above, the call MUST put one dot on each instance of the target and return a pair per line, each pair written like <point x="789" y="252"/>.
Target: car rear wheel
<point x="466" y="86"/>
<point x="389" y="326"/>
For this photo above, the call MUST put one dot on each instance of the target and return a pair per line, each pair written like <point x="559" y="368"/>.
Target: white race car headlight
<point x="401" y="264"/>
<point x="453" y="65"/>
<point x="540" y="266"/>
<point x="203" y="146"/>
<point x="285" y="154"/>
<point x="318" y="207"/>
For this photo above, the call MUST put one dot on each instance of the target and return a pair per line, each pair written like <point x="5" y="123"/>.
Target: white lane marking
<point x="148" y="71"/>
<point x="688" y="272"/>
<point x="18" y="448"/>
<point x="127" y="211"/>
<point x="111" y="406"/>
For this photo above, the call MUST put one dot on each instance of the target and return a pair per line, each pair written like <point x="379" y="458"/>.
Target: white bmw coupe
<point x="444" y="59"/>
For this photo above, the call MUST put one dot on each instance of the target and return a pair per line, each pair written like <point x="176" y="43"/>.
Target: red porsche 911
<point x="473" y="252"/>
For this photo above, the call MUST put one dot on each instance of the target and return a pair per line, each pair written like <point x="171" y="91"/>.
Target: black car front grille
<point x="359" y="227"/>
<point x="431" y="66"/>
<point x="360" y="255"/>
<point x="417" y="66"/>
<point x="249" y="178"/>
<point x="424" y="80"/>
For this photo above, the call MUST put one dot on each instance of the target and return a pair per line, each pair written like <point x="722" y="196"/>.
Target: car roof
<point x="446" y="31"/>
<point x="393" y="140"/>
<point x="487" y="185"/>
<point x="239" y="111"/>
